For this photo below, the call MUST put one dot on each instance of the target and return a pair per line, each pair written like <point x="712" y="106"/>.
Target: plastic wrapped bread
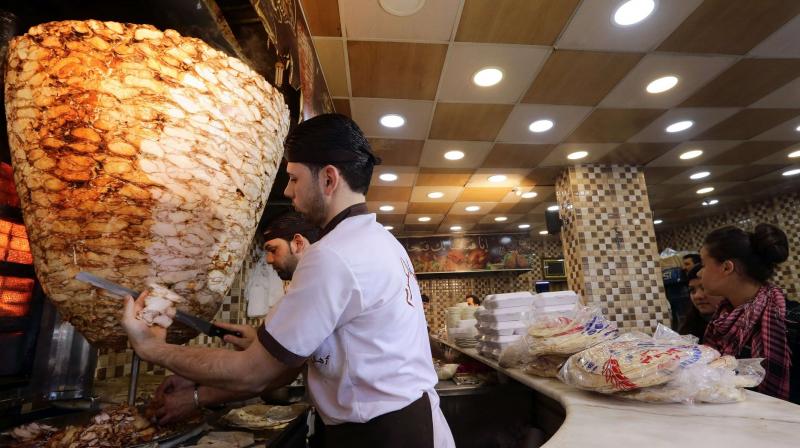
<point x="141" y="156"/>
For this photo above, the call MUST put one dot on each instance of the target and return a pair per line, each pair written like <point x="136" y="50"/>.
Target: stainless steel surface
<point x="134" y="380"/>
<point x="109" y="286"/>
<point x="195" y="323"/>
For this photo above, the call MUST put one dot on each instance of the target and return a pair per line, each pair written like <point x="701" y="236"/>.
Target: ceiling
<point x="737" y="64"/>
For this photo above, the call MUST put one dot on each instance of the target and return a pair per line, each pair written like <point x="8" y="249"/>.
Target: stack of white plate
<point x="466" y="341"/>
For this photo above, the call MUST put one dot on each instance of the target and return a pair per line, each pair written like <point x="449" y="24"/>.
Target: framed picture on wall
<point x="553" y="269"/>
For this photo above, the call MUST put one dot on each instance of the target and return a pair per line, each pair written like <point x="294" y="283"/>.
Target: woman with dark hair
<point x="704" y="305"/>
<point x="751" y="321"/>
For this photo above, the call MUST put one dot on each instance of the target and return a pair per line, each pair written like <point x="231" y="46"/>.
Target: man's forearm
<point x="210" y="396"/>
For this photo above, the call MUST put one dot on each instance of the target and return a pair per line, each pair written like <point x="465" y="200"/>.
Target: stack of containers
<point x="554" y="302"/>
<point x="503" y="321"/>
<point x="461" y="325"/>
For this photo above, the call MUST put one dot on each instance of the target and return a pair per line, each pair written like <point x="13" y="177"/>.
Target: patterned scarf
<point x="760" y="323"/>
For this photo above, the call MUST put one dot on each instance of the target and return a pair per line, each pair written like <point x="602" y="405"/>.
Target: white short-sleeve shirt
<point x="353" y="311"/>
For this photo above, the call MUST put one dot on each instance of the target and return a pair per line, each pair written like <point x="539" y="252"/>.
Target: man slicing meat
<point x="353" y="311"/>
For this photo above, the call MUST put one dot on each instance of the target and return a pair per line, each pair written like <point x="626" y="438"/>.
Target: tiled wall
<point x="783" y="211"/>
<point x="610" y="248"/>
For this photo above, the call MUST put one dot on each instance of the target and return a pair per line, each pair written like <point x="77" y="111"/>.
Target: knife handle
<point x="221" y="332"/>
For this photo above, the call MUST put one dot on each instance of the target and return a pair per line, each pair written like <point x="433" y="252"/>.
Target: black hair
<point x="336" y="140"/>
<point x="693" y="273"/>
<point x="475" y="299"/>
<point x="757" y="253"/>
<point x="695" y="258"/>
<point x="425" y="298"/>
<point x="286" y="225"/>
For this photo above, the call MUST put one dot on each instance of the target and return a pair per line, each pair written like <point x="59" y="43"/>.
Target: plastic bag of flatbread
<point x="546" y="366"/>
<point x="557" y="334"/>
<point x="634" y="361"/>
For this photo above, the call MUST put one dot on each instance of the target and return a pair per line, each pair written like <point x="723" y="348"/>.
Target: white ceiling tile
<point x="710" y="148"/>
<point x="565" y="119"/>
<point x="420" y="194"/>
<point x="331" y="57"/>
<point x="693" y="72"/>
<point x="406" y="175"/>
<point x="783" y="43"/>
<point x="593" y="28"/>
<point x="414" y="218"/>
<point x="513" y="177"/>
<point x="365" y="19"/>
<point x="558" y="157"/>
<point x="399" y="207"/>
<point x="786" y="131"/>
<point x="434" y="150"/>
<point x="703" y="119"/>
<point x="367" y="111"/>
<point x="787" y="96"/>
<point x="519" y="63"/>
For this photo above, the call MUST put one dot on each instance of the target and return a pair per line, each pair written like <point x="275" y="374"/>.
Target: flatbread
<point x="263" y="416"/>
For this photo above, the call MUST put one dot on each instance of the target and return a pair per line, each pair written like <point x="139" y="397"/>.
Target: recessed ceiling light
<point x="472" y="208"/>
<point x="392" y="120"/>
<point x="699" y="175"/>
<point x="706" y="190"/>
<point x="794" y="154"/>
<point x="552" y="208"/>
<point x="694" y="153"/>
<point x="797" y="129"/>
<point x="424" y="218"/>
<point x="524" y="226"/>
<point x="386" y="208"/>
<point x="679" y="126"/>
<point x="497" y="178"/>
<point x="388" y="177"/>
<point x="633" y="11"/>
<point x="501" y="219"/>
<point x="487" y="77"/>
<point x="540" y="126"/>
<point x="791" y="172"/>
<point x="388" y="227"/>
<point x="435" y="195"/>
<point x="454" y="155"/>
<point x="577" y="155"/>
<point x="662" y="84"/>
<point x="401" y="8"/>
<point x="455" y="228"/>
<point x="710" y="202"/>
<point x="529" y="194"/>
<point x="543" y="232"/>
<point x="658" y="221"/>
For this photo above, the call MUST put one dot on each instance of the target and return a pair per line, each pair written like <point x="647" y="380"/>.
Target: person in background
<point x="473" y="300"/>
<point x="690" y="261"/>
<point x="698" y="316"/>
<point x="751" y="321"/>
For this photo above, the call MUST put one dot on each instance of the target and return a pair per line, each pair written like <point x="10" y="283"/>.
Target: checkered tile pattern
<point x="783" y="212"/>
<point x="564" y="61"/>
<point x="610" y="246"/>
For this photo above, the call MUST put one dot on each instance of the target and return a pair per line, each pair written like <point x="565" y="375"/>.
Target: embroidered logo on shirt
<point x="409" y="275"/>
<point x="321" y="360"/>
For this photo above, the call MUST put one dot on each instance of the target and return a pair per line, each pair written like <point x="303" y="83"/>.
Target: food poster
<point x="470" y="253"/>
<point x="313" y="90"/>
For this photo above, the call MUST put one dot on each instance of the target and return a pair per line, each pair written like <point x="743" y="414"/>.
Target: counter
<point x="602" y="421"/>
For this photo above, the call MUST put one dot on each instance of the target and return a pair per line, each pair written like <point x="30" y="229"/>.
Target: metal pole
<point x="134" y="380"/>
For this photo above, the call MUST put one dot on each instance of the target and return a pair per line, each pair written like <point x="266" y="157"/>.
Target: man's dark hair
<point x="695" y="258"/>
<point x="425" y="298"/>
<point x="288" y="224"/>
<point x="333" y="139"/>
<point x="693" y="273"/>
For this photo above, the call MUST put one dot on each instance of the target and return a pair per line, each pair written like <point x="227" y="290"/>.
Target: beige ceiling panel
<point x="519" y="208"/>
<point x="542" y="176"/>
<point x="513" y="177"/>
<point x="391" y="194"/>
<point x="748" y="173"/>
<point x="509" y="155"/>
<point x="436" y="177"/>
<point x="564" y="118"/>
<point x="636" y="153"/>
<point x="718" y="174"/>
<point x="579" y="78"/>
<point x="592" y="26"/>
<point x="439" y="208"/>
<point x="703" y="118"/>
<point x="368" y="111"/>
<point x="613" y="125"/>
<point x="748" y="152"/>
<point x="448" y="222"/>
<point x="331" y="57"/>
<point x="465" y="121"/>
<point x="780" y="157"/>
<point x="716" y="26"/>
<point x="710" y="148"/>
<point x="490" y="219"/>
<point x="782" y="43"/>
<point x="395" y="69"/>
<point x="420" y="229"/>
<point x="465" y="221"/>
<point x="322" y="17"/>
<point x="413" y="219"/>
<point x="784" y="131"/>
<point x="391" y="220"/>
<point x="533" y="22"/>
<point x="342" y="106"/>
<point x="405" y="175"/>
<point x="558" y="157"/>
<point x="459" y="208"/>
<point x="692" y="72"/>
<point x="397" y="152"/>
<point x="482" y="194"/>
<point x="420" y="193"/>
<point x="366" y="19"/>
<point x="657" y="175"/>
<point x="518" y="63"/>
<point x="375" y="207"/>
<point x="745" y="82"/>
<point x="785" y="97"/>
<point x="434" y="150"/>
<point x="543" y="193"/>
<point x="748" y="123"/>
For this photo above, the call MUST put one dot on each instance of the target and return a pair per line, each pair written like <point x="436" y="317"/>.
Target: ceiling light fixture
<point x="797" y="129"/>
<point x="633" y="11"/>
<point x="662" y="84"/>
<point x="435" y="195"/>
<point x="694" y="153"/>
<point x="386" y="208"/>
<point x="710" y="202"/>
<point x="543" y="232"/>
<point x="706" y="190"/>
<point x="552" y="208"/>
<point x="791" y="172"/>
<point x="541" y="126"/>
<point x="524" y="226"/>
<point x="472" y="208"/>
<point x="455" y="228"/>
<point x="501" y="219"/>
<point x="388" y="177"/>
<point x="794" y="154"/>
<point x="454" y="155"/>
<point x="658" y="221"/>
<point x="577" y="155"/>
<point x="699" y="175"/>
<point x="388" y="227"/>
<point x="497" y="178"/>
<point x="487" y="77"/>
<point x="529" y="194"/>
<point x="424" y="218"/>
<point x="679" y="126"/>
<point x="392" y="120"/>
<point x="401" y="8"/>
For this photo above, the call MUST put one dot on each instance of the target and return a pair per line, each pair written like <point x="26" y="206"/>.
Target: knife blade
<point x="193" y="322"/>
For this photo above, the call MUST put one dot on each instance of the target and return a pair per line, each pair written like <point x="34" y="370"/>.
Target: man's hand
<point x="248" y="335"/>
<point x="141" y="336"/>
<point x="173" y="383"/>
<point x="174" y="400"/>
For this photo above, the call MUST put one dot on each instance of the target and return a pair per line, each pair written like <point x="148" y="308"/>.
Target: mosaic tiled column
<point x="610" y="248"/>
